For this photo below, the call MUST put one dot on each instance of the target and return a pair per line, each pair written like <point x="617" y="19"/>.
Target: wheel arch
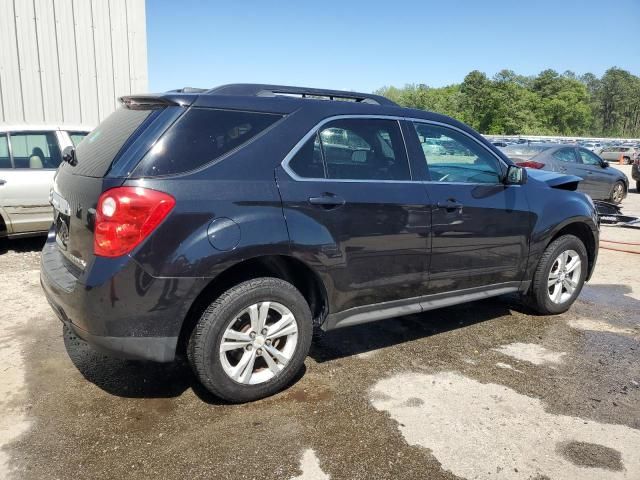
<point x="284" y="267"/>
<point x="5" y="224"/>
<point x="584" y="232"/>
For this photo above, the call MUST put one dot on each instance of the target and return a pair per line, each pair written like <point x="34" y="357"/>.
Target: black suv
<point x="227" y="223"/>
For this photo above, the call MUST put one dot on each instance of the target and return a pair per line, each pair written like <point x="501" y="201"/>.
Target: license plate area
<point x="61" y="219"/>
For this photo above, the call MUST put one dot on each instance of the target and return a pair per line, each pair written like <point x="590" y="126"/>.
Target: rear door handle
<point x="450" y="205"/>
<point x="327" y="200"/>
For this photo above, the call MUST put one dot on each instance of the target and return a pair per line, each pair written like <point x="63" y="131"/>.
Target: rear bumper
<point x="157" y="349"/>
<point x="116" y="306"/>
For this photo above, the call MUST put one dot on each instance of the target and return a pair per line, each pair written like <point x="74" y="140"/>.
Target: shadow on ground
<point x="363" y="338"/>
<point x="22" y="245"/>
<point x="137" y="378"/>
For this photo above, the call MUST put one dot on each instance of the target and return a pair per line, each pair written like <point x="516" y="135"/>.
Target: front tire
<point x="252" y="340"/>
<point x="638" y="186"/>
<point x="617" y="193"/>
<point x="559" y="277"/>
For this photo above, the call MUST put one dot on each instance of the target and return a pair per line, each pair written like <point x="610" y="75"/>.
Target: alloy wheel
<point x="258" y="343"/>
<point x="618" y="193"/>
<point x="564" y="276"/>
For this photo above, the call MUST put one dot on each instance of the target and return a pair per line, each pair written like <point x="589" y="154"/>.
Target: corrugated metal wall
<point x="67" y="61"/>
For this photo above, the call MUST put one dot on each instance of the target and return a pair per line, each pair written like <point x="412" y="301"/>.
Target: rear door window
<point x="35" y="150"/>
<point x="364" y="149"/>
<point x="201" y="136"/>
<point x="5" y="159"/>
<point x="565" y="155"/>
<point x="96" y="153"/>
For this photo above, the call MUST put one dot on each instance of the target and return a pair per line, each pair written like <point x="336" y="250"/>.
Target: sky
<point x="365" y="45"/>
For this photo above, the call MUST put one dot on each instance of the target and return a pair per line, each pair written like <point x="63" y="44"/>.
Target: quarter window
<point x="35" y="150"/>
<point x="565" y="155"/>
<point x="201" y="136"/>
<point x="452" y="157"/>
<point x="364" y="149"/>
<point x="5" y="160"/>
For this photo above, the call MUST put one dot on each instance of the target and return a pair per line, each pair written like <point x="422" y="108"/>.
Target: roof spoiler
<point x="258" y="90"/>
<point x="145" y="102"/>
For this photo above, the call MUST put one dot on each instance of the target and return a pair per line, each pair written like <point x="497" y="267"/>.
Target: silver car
<point x="628" y="153"/>
<point x="599" y="181"/>
<point x="29" y="157"/>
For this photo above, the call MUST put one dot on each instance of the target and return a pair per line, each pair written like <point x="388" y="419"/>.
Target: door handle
<point x="449" y="205"/>
<point x="327" y="200"/>
<point x="2" y="181"/>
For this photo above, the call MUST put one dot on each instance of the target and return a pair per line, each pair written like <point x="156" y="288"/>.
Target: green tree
<point x="548" y="103"/>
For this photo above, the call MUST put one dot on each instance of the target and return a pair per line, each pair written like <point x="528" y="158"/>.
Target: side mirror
<point x="69" y="156"/>
<point x="604" y="164"/>
<point x="516" y="175"/>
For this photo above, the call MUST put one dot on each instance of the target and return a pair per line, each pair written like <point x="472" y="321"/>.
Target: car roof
<point x="287" y="99"/>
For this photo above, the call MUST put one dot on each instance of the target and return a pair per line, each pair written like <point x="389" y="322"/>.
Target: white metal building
<point x="67" y="61"/>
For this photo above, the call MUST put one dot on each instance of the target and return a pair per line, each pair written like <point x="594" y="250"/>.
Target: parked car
<point x="593" y="146"/>
<point x="227" y="224"/>
<point x="29" y="157"/>
<point x="613" y="154"/>
<point x="599" y="181"/>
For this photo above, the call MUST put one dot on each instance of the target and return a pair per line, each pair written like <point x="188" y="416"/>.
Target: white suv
<point x="29" y="157"/>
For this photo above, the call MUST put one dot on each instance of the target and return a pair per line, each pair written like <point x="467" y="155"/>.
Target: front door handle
<point x="2" y="181"/>
<point x="450" y="205"/>
<point x="327" y="200"/>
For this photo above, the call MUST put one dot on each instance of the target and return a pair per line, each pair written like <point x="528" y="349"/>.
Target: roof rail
<point x="259" y="90"/>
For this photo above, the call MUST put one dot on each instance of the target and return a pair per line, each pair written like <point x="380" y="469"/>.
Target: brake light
<point x="125" y="216"/>
<point x="531" y="164"/>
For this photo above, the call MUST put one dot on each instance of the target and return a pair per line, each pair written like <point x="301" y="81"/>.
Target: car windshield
<point x="524" y="151"/>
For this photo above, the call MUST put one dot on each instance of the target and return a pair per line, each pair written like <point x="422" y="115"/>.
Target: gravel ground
<point x="484" y="390"/>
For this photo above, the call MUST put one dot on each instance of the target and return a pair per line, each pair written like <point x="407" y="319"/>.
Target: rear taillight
<point x="531" y="164"/>
<point x="125" y="216"/>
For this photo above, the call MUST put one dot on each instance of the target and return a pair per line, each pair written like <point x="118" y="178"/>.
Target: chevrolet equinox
<point x="226" y="224"/>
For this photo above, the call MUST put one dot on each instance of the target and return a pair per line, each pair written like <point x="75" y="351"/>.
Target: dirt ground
<point x="483" y="391"/>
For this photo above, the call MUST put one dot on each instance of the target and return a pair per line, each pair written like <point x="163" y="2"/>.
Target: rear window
<point x="97" y="151"/>
<point x="524" y="151"/>
<point x="201" y="136"/>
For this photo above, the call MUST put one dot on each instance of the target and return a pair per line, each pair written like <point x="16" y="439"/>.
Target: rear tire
<point x="238" y="350"/>
<point x="627" y="161"/>
<point x="617" y="193"/>
<point x="553" y="289"/>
